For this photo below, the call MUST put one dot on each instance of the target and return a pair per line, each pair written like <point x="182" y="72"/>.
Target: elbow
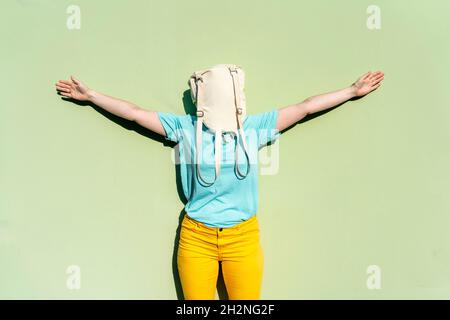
<point x="132" y="113"/>
<point x="305" y="107"/>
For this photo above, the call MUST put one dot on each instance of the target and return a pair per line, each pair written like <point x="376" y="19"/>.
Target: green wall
<point x="363" y="184"/>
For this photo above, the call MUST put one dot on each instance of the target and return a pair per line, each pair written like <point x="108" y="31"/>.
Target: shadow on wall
<point x="189" y="108"/>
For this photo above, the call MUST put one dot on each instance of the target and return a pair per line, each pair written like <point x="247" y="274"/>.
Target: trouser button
<point x="220" y="229"/>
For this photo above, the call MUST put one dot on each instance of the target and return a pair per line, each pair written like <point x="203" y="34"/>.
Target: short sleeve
<point x="172" y="124"/>
<point x="265" y="124"/>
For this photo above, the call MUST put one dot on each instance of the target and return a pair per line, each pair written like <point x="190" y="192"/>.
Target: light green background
<point x="364" y="184"/>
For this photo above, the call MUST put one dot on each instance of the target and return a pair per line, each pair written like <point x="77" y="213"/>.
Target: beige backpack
<point x="218" y="93"/>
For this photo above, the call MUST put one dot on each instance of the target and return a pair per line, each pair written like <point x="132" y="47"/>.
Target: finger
<point x="377" y="74"/>
<point x="373" y="78"/>
<point x="66" y="94"/>
<point x="370" y="77"/>
<point x="74" y="80"/>
<point x="63" y="85"/>
<point x="377" y="78"/>
<point x="376" y="86"/>
<point x="63" y="89"/>
<point x="366" y="75"/>
<point x="65" y="82"/>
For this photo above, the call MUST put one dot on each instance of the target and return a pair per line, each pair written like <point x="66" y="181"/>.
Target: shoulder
<point x="175" y="125"/>
<point x="266" y="119"/>
<point x="178" y="119"/>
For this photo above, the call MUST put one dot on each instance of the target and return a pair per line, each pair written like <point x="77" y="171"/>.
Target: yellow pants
<point x="237" y="248"/>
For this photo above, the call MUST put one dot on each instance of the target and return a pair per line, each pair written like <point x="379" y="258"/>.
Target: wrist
<point x="91" y="94"/>
<point x="353" y="90"/>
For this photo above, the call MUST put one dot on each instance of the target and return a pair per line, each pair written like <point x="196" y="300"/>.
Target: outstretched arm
<point x="291" y="114"/>
<point x="77" y="90"/>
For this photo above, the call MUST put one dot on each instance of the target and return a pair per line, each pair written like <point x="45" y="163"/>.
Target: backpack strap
<point x="237" y="102"/>
<point x="199" y="131"/>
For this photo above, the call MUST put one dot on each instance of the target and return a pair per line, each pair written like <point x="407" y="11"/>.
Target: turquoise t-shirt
<point x="231" y="199"/>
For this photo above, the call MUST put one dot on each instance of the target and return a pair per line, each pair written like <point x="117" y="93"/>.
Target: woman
<point x="220" y="224"/>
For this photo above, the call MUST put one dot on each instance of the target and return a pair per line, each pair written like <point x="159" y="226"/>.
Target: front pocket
<point x="250" y="228"/>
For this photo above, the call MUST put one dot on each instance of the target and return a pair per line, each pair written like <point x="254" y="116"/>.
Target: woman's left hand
<point x="367" y="83"/>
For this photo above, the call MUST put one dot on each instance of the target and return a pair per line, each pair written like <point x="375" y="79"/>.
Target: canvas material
<point x="218" y="96"/>
<point x="218" y="93"/>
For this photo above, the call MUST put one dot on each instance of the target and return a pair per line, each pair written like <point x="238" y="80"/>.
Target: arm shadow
<point x="131" y="125"/>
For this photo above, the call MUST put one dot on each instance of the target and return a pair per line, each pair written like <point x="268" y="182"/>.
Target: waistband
<point x="239" y="226"/>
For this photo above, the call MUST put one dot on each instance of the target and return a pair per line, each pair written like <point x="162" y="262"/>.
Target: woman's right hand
<point x="73" y="88"/>
<point x="76" y="89"/>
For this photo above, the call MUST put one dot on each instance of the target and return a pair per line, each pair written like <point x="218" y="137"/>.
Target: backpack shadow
<point x="189" y="108"/>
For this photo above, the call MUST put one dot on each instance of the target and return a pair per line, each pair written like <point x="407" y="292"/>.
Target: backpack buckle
<point x="200" y="113"/>
<point x="232" y="69"/>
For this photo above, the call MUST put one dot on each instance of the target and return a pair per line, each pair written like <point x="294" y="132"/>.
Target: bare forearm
<point x="77" y="90"/>
<point x="293" y="113"/>
<point x="365" y="84"/>
<point x="328" y="100"/>
<point x="116" y="106"/>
